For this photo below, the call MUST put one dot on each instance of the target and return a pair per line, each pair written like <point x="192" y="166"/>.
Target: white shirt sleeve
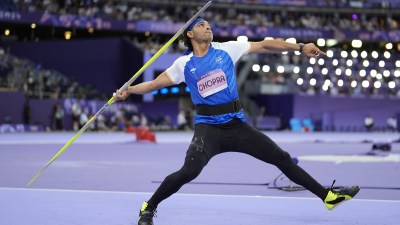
<point x="175" y="72"/>
<point x="235" y="49"/>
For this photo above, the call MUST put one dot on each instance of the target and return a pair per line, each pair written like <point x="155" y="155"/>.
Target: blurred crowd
<point x="126" y="10"/>
<point x="341" y="72"/>
<point x="344" y="72"/>
<point x="22" y="74"/>
<point x="121" y="117"/>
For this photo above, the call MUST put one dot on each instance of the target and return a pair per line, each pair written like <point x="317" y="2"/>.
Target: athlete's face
<point x="202" y="31"/>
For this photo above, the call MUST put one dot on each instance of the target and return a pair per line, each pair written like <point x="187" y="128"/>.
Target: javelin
<point x="124" y="87"/>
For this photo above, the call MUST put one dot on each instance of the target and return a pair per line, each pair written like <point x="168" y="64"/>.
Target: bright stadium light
<point x="392" y="84"/>
<point x="363" y="73"/>
<point x="356" y="43"/>
<point x="387" y="54"/>
<point x="389" y="46"/>
<point x="340" y="83"/>
<point x="266" y="68"/>
<point x="354" y="54"/>
<point x="379" y="76"/>
<point x="335" y="62"/>
<point x="324" y="71"/>
<point x="321" y="42"/>
<point x="331" y="42"/>
<point x="280" y="69"/>
<point x="386" y="73"/>
<point x="321" y="61"/>
<point x="296" y="69"/>
<point x="364" y="54"/>
<point x="310" y="70"/>
<point x="327" y="82"/>
<point x="377" y="84"/>
<point x="397" y="73"/>
<point x="300" y="81"/>
<point x="344" y="54"/>
<point x="397" y="63"/>
<point x="381" y="63"/>
<point x="353" y="84"/>
<point x="366" y="63"/>
<point x="349" y="62"/>
<point x="338" y="71"/>
<point x="373" y="73"/>
<point x="312" y="61"/>
<point x="365" y="84"/>
<point x="67" y="35"/>
<point x="313" y="81"/>
<point x="256" y="68"/>
<point x="374" y="54"/>
<point x="329" y="53"/>
<point x="348" y="72"/>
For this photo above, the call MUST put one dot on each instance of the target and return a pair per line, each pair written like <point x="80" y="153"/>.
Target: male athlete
<point x="220" y="125"/>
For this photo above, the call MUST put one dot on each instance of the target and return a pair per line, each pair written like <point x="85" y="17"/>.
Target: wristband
<point x="301" y="45"/>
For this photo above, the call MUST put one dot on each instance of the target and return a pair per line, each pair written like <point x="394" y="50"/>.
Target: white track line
<point x="180" y="194"/>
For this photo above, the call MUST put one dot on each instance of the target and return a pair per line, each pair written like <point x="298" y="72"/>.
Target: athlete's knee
<point x="194" y="164"/>
<point x="184" y="175"/>
<point x="283" y="159"/>
<point x="189" y="173"/>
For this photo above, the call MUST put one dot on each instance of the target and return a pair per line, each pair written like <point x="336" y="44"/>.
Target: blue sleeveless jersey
<point x="211" y="78"/>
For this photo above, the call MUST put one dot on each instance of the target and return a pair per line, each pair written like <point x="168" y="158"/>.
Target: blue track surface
<point x="104" y="177"/>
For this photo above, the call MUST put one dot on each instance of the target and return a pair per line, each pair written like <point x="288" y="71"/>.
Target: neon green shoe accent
<point x="144" y="206"/>
<point x="339" y="195"/>
<point x="146" y="214"/>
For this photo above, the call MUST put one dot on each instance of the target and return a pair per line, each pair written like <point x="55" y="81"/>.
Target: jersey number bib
<point x="211" y="83"/>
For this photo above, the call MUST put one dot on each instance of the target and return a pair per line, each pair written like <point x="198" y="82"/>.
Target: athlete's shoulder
<point x="183" y="59"/>
<point x="234" y="48"/>
<point x="228" y="44"/>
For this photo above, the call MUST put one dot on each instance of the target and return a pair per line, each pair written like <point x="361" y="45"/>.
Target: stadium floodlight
<point x="356" y="43"/>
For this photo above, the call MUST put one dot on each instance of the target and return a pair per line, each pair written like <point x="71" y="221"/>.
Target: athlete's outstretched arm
<point x="146" y="87"/>
<point x="277" y="46"/>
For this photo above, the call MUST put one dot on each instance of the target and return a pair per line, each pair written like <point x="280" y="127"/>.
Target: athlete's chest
<point x="213" y="62"/>
<point x="209" y="73"/>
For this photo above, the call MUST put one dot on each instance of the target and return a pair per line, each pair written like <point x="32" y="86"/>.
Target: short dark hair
<point x="186" y="40"/>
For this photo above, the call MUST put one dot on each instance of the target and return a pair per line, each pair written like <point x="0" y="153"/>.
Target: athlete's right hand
<point x="118" y="95"/>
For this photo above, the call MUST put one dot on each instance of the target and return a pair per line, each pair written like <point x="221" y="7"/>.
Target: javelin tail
<point x="125" y="86"/>
<point x="83" y="129"/>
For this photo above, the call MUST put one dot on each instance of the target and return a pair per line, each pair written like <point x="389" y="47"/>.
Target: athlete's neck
<point x="200" y="49"/>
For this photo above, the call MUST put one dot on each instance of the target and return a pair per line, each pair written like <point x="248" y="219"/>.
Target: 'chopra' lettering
<point x="211" y="83"/>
